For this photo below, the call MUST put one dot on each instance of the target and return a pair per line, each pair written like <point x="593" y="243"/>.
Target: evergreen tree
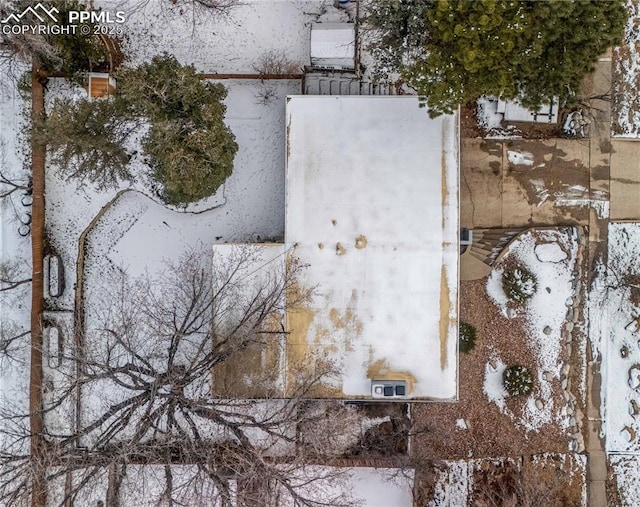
<point x="189" y="147"/>
<point x="189" y="162"/>
<point x="86" y="140"/>
<point x="76" y="52"/>
<point x="452" y="51"/>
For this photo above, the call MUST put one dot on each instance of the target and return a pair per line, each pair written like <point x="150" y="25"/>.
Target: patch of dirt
<point x="540" y="130"/>
<point x="490" y="432"/>
<point x="469" y="122"/>
<point x="384" y="440"/>
<point x="536" y="481"/>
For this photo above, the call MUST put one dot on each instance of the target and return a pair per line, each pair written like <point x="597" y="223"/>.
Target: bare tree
<point x="13" y="343"/>
<point x="195" y="9"/>
<point x="215" y="7"/>
<point x="12" y="274"/>
<point x="275" y="62"/>
<point x="16" y="49"/>
<point x="13" y="337"/>
<point x="9" y="186"/>
<point x="148" y="360"/>
<point x="530" y="482"/>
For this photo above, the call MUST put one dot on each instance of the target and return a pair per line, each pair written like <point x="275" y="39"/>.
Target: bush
<point x="517" y="380"/>
<point x="519" y="284"/>
<point x="467" y="337"/>
<point x="275" y="62"/>
<point x="190" y="164"/>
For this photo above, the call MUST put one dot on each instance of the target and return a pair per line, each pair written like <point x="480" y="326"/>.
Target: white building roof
<point x="372" y="207"/>
<point x="333" y="45"/>
<point x="367" y="486"/>
<point x="514" y="111"/>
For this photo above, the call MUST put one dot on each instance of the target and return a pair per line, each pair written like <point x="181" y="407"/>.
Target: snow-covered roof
<point x="372" y="207"/>
<point x="366" y="486"/>
<point x="333" y="45"/>
<point x="514" y="111"/>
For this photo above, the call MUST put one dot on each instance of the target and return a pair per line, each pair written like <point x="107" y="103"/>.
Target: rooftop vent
<point x="388" y="389"/>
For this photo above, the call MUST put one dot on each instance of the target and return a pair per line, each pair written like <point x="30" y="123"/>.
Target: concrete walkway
<point x="625" y="179"/>
<point x="599" y="177"/>
<point x="548" y="184"/>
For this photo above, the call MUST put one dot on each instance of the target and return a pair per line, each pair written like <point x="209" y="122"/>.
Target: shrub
<point x="189" y="163"/>
<point x="519" y="283"/>
<point x="188" y="147"/>
<point x="517" y="380"/>
<point x="275" y="62"/>
<point x="467" y="337"/>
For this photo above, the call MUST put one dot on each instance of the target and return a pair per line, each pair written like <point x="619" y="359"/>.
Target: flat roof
<point x="372" y="208"/>
<point x="333" y="44"/>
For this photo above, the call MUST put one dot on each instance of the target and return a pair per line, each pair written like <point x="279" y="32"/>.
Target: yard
<point x="614" y="313"/>
<point x="540" y="334"/>
<point x="489" y="439"/>
<point x="626" y="84"/>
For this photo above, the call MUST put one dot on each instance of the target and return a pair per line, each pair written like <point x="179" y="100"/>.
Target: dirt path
<point x="38" y="153"/>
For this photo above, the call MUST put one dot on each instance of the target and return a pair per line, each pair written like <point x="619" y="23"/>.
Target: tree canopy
<point x="86" y="141"/>
<point x="147" y="383"/>
<point x="452" y="52"/>
<point x="188" y="147"/>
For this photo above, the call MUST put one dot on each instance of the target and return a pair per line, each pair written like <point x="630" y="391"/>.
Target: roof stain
<point x="444" y="317"/>
<point x="361" y="241"/>
<point x="379" y="370"/>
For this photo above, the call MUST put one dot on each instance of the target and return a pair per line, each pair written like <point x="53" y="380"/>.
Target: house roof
<point x="514" y="111"/>
<point x="369" y="487"/>
<point x="333" y="45"/>
<point x="372" y="208"/>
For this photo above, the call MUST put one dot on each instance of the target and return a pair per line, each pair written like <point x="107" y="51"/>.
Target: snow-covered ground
<point x="14" y="249"/>
<point x="455" y="480"/>
<point x="228" y="44"/>
<point x="137" y="233"/>
<point x="620" y="302"/>
<point x="370" y="487"/>
<point x="551" y="255"/>
<point x="454" y="484"/>
<point x="626" y="85"/>
<point x="490" y="120"/>
<point x="626" y="470"/>
<point x="614" y="313"/>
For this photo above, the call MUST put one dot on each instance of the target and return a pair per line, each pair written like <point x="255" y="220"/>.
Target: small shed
<point x="514" y="111"/>
<point x="99" y="84"/>
<point x="333" y="46"/>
